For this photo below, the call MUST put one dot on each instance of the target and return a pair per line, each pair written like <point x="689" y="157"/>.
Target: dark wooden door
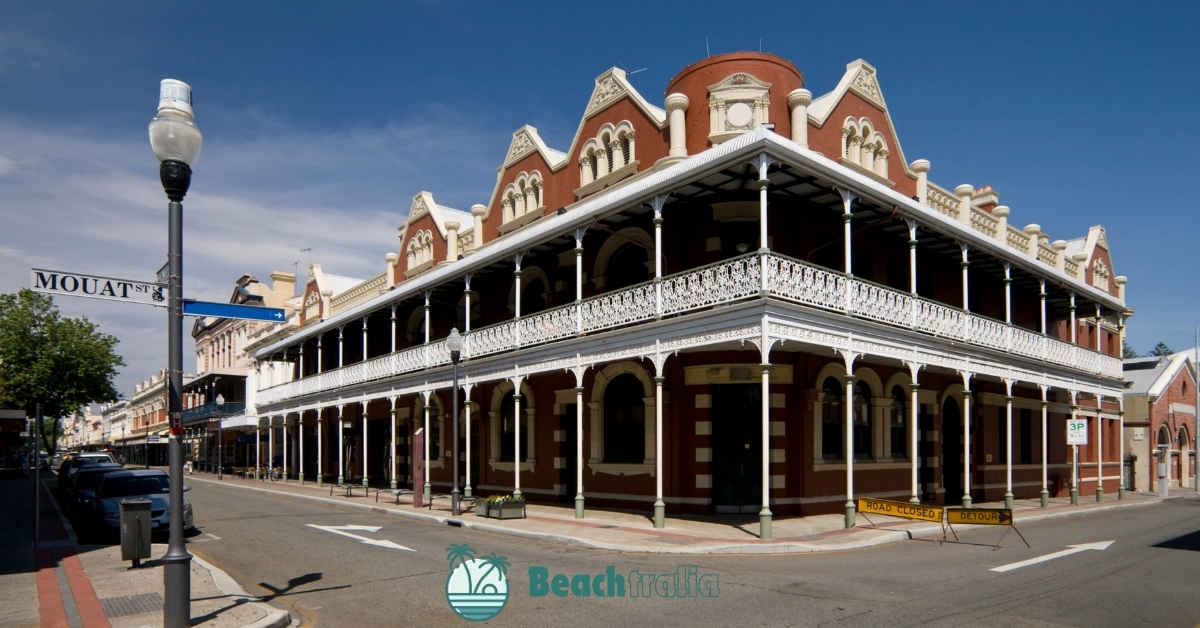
<point x="737" y="447"/>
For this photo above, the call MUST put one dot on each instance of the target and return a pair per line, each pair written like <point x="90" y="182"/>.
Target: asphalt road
<point x="1150" y="575"/>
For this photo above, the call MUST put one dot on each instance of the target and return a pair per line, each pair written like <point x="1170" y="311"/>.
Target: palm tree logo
<point x="477" y="588"/>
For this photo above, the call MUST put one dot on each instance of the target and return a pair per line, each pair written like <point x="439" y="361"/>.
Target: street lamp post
<point x="454" y="342"/>
<point x="220" y="436"/>
<point x="176" y="142"/>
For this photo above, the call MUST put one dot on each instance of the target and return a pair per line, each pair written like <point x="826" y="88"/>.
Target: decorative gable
<point x="526" y="141"/>
<point x="608" y="89"/>
<point x="864" y="83"/>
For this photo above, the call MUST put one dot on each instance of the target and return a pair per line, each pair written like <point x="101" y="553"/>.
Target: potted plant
<point x="501" y="507"/>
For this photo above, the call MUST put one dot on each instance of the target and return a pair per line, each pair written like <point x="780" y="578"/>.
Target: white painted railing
<point x="717" y="284"/>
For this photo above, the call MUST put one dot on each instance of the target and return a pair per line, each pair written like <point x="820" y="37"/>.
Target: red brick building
<point x="1160" y="411"/>
<point x="747" y="300"/>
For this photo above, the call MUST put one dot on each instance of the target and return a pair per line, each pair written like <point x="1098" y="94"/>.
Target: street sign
<point x="58" y="282"/>
<point x="903" y="510"/>
<point x="153" y="440"/>
<point x="1077" y="432"/>
<point x="231" y="310"/>
<point x="980" y="516"/>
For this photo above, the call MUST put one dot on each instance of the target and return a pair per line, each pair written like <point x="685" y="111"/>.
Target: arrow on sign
<point x="368" y="541"/>
<point x="1075" y="549"/>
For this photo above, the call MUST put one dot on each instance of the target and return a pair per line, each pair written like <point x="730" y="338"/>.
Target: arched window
<point x="507" y="425"/>
<point x="624" y="420"/>
<point x="1100" y="275"/>
<point x="608" y="153"/>
<point x="862" y="421"/>
<point x="610" y="150"/>
<point x="832" y="421"/>
<point x="533" y="297"/>
<point x="898" y="423"/>
<point x="863" y="146"/>
<point x="627" y="267"/>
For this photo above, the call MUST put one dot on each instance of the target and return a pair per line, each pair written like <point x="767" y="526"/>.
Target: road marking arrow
<point x="362" y="539"/>
<point x="1075" y="549"/>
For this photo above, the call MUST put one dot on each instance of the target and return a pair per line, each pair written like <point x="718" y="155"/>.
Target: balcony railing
<point x="212" y="410"/>
<point x="717" y="284"/>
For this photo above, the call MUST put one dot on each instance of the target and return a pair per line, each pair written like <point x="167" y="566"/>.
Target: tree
<point x="1127" y="351"/>
<point x="1160" y="349"/>
<point x="61" y="363"/>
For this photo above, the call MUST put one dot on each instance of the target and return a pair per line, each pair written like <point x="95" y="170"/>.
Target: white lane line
<point x="368" y="541"/>
<point x="1067" y="552"/>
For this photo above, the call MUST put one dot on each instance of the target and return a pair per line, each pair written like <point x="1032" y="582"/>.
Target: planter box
<point x="500" y="510"/>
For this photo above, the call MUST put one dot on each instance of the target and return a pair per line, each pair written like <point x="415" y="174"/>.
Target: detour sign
<point x="903" y="510"/>
<point x="980" y="516"/>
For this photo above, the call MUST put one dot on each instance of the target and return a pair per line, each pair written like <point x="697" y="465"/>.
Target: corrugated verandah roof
<point x="697" y="166"/>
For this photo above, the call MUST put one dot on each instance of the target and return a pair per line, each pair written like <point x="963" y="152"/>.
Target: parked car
<point x="150" y="484"/>
<point x="82" y="489"/>
<point x="69" y="469"/>
<point x="57" y="460"/>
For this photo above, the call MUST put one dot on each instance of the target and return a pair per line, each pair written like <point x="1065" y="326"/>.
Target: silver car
<point x="150" y="484"/>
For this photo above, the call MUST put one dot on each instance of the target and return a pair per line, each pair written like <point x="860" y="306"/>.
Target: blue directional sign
<point x="230" y="310"/>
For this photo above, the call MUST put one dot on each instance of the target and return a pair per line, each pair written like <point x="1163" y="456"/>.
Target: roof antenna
<point x="636" y="71"/>
<point x="310" y="254"/>
<point x="707" y="52"/>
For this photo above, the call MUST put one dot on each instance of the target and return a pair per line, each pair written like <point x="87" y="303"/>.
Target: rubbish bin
<point x="135" y="530"/>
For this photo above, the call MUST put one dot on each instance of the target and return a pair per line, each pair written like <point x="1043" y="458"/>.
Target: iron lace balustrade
<point x="715" y="285"/>
<point x="213" y="409"/>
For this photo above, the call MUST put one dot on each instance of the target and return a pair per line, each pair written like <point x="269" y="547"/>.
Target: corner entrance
<point x="952" y="464"/>
<point x="737" y="448"/>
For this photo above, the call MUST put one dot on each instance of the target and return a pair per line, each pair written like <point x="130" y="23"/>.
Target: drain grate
<point x="132" y="605"/>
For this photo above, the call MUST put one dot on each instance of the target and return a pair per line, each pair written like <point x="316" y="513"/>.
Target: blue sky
<point x="322" y="121"/>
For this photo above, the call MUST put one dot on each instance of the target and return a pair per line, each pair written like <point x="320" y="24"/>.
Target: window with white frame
<point x="420" y="248"/>
<point x="523" y="196"/>
<point x="1100" y="275"/>
<point x="863" y="146"/>
<point x="612" y="149"/>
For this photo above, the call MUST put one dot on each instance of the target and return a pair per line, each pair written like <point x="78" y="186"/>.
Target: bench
<point x="464" y="502"/>
<point x="348" y="489"/>
<point x="394" y="492"/>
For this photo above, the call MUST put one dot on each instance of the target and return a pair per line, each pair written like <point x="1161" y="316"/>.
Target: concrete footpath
<point x="65" y="584"/>
<point x="634" y="532"/>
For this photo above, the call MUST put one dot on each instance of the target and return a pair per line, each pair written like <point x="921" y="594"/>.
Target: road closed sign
<point x="904" y="510"/>
<point x="980" y="516"/>
<point x="1077" y="431"/>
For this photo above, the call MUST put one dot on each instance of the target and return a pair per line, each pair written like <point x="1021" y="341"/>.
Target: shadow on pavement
<point x="1189" y="541"/>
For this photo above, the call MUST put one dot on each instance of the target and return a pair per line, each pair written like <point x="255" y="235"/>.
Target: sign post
<point x="1077" y="434"/>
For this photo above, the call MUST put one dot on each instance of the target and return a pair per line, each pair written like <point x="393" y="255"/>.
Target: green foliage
<point x="1160" y="349"/>
<point x="499" y="499"/>
<point x="1128" y="352"/>
<point x="61" y="363"/>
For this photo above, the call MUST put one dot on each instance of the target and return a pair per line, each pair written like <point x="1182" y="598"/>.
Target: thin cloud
<point x="85" y="202"/>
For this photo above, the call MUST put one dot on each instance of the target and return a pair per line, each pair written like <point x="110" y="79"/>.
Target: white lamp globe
<point x="174" y="135"/>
